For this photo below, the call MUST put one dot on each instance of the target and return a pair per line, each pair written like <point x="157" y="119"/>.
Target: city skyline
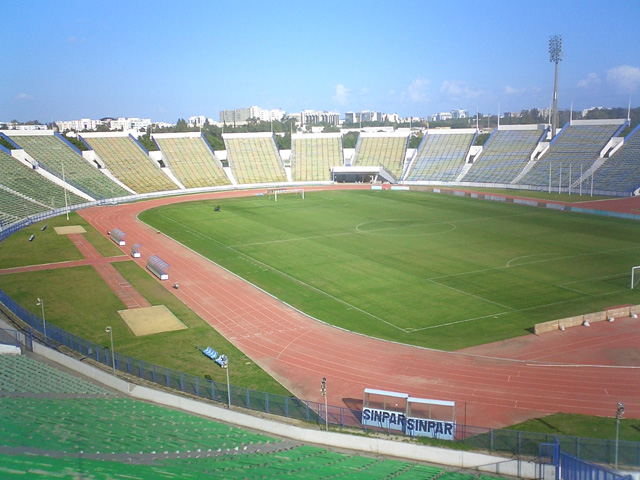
<point x="166" y="61"/>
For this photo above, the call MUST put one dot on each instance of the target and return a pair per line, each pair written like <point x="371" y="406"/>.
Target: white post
<point x="560" y="182"/>
<point x="228" y="386"/>
<point x="570" y="178"/>
<point x="580" y="179"/>
<point x="549" y="178"/>
<point x="66" y="203"/>
<point x="619" y="413"/>
<point x="109" y="330"/>
<point x="44" y="322"/>
<point x="592" y="183"/>
<point x="323" y="390"/>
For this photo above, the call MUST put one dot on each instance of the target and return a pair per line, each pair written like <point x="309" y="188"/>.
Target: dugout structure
<point x="135" y="250"/>
<point x="420" y="417"/>
<point x="117" y="236"/>
<point x="158" y="267"/>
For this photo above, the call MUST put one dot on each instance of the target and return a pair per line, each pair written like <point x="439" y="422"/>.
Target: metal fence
<point x="511" y="441"/>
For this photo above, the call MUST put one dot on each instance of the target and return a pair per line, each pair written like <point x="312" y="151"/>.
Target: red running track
<point x="491" y="390"/>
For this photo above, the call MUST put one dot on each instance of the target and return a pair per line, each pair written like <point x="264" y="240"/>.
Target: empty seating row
<point x="505" y="155"/>
<point x="59" y="158"/>
<point x="18" y="177"/>
<point x="22" y="374"/>
<point x="14" y="207"/>
<point x="192" y="161"/>
<point x="621" y="172"/>
<point x="388" y="152"/>
<point x="254" y="159"/>
<point x="129" y="164"/>
<point x="440" y="157"/>
<point x="312" y="157"/>
<point x="237" y="466"/>
<point x="111" y="425"/>
<point x="574" y="149"/>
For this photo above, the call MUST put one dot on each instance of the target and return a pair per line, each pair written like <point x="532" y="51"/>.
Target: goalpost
<point x="282" y="191"/>
<point x="633" y="276"/>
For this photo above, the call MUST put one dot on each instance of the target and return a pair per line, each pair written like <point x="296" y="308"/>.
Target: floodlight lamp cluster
<point x="555" y="48"/>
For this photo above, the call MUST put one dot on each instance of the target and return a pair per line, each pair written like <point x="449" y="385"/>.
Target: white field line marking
<point x="528" y="256"/>
<point x="410" y="330"/>
<point x="577" y="365"/>
<point x="515" y="311"/>
<point x="311" y="287"/>
<point x="566" y="257"/>
<point x="357" y="230"/>
<point x="472" y="295"/>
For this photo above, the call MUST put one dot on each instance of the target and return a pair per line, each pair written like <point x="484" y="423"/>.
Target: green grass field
<point x="78" y="300"/>
<point x="419" y="268"/>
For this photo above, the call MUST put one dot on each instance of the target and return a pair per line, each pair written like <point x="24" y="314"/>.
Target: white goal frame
<point x="282" y="191"/>
<point x="633" y="274"/>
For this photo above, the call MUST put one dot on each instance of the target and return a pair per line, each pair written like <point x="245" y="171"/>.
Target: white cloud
<point x="509" y="90"/>
<point x="418" y="90"/>
<point x="592" y="80"/>
<point x="341" y="95"/>
<point x="457" y="90"/>
<point x="624" y="78"/>
<point x="75" y="40"/>
<point x="24" y="97"/>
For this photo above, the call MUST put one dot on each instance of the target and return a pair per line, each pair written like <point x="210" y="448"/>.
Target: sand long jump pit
<point x="150" y="320"/>
<point x="69" y="229"/>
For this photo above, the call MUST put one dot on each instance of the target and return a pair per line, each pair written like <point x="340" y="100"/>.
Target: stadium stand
<point x="505" y="154"/>
<point x="13" y="207"/>
<point x="21" y="374"/>
<point x="621" y="172"/>
<point x="254" y="158"/>
<point x="191" y="160"/>
<point x="127" y="161"/>
<point x="57" y="425"/>
<point x="27" y="181"/>
<point x="54" y="154"/>
<point x="384" y="150"/>
<point x="576" y="147"/>
<point x="441" y="155"/>
<point x="313" y="156"/>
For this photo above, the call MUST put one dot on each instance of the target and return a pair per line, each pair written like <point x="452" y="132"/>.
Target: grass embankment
<point x="78" y="300"/>
<point x="49" y="247"/>
<point x="582" y="426"/>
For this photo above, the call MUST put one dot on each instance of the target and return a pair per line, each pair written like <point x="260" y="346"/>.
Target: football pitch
<point x="426" y="269"/>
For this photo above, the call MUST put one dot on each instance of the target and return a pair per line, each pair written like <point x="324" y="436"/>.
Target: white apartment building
<point x="240" y="116"/>
<point x="316" y="116"/>
<point x="79" y="125"/>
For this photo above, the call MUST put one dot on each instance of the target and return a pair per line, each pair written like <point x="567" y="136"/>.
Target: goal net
<point x="275" y="192"/>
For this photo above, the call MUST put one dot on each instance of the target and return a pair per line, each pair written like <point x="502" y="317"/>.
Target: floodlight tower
<point x="555" y="56"/>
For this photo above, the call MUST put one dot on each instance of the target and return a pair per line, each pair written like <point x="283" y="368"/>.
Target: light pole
<point x="323" y="390"/>
<point x="555" y="56"/>
<point x="228" y="384"/>
<point x="44" y="322"/>
<point x="619" y="414"/>
<point x="109" y="330"/>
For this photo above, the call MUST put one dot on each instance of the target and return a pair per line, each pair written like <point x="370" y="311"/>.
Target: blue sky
<point x="166" y="60"/>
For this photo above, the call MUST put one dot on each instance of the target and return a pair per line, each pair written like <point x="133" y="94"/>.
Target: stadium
<point x="410" y="276"/>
